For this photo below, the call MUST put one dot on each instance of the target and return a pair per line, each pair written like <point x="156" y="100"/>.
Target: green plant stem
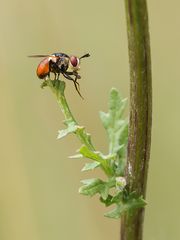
<point x="140" y="112"/>
<point x="58" y="87"/>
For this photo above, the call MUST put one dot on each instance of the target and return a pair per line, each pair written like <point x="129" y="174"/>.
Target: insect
<point x="60" y="63"/>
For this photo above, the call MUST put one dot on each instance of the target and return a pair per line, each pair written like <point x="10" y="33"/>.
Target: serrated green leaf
<point x="133" y="201"/>
<point x="116" y="212"/>
<point x="105" y="192"/>
<point x="86" y="152"/>
<point x="94" y="186"/>
<point x="113" y="122"/>
<point x="70" y="129"/>
<point x="107" y="201"/>
<point x="76" y="156"/>
<point x="117" y="198"/>
<point x="123" y="140"/>
<point x="104" y="118"/>
<point x="90" y="166"/>
<point x="91" y="187"/>
<point x="86" y="136"/>
<point x="123" y="207"/>
<point x="136" y="203"/>
<point x="124" y="133"/>
<point x="89" y="181"/>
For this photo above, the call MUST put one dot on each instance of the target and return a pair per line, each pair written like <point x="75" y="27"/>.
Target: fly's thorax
<point x="52" y="59"/>
<point x="63" y="63"/>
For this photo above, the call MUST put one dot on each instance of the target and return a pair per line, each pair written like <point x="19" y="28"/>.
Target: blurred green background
<point x="39" y="197"/>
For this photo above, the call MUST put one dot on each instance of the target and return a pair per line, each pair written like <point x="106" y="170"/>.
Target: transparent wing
<point x="39" y="56"/>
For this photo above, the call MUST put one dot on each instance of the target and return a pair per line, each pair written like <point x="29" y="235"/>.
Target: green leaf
<point x="86" y="152"/>
<point x="94" y="186"/>
<point x="90" y="166"/>
<point x="86" y="137"/>
<point x="123" y="140"/>
<point x="107" y="201"/>
<point x="89" y="181"/>
<point x="105" y="192"/>
<point x="117" y="198"/>
<point x="122" y="207"/>
<point x="116" y="212"/>
<point x="117" y="131"/>
<point x="91" y="187"/>
<point x="70" y="129"/>
<point x="113" y="122"/>
<point x="133" y="200"/>
<point x="76" y="156"/>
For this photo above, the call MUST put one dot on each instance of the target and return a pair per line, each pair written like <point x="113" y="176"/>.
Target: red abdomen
<point x="43" y="68"/>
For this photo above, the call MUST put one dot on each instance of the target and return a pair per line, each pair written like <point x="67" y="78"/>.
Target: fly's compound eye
<point x="74" y="61"/>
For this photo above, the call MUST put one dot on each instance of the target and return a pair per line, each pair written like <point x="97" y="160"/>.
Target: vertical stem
<point x="140" y="112"/>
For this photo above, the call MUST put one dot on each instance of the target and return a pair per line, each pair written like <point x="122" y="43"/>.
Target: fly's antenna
<point x="86" y="55"/>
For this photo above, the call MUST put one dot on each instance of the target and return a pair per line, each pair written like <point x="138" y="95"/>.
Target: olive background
<point x="39" y="184"/>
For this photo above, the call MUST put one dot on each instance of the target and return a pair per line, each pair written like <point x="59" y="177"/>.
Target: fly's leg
<point x="77" y="76"/>
<point x="58" y="76"/>
<point x="74" y="74"/>
<point x="55" y="76"/>
<point x="77" y="87"/>
<point x="76" y="84"/>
